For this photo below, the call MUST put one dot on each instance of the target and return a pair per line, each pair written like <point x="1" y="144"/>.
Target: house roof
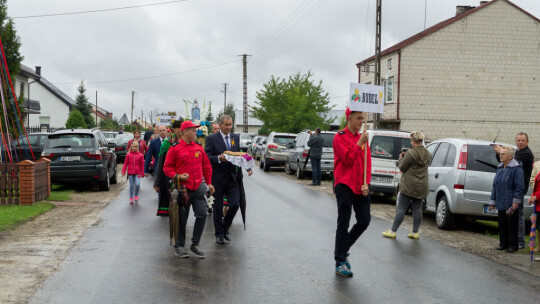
<point x="49" y="86"/>
<point x="99" y="114"/>
<point x="437" y="27"/>
<point x="28" y="72"/>
<point x="124" y="120"/>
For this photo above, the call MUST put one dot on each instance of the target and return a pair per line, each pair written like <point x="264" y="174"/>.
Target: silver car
<point x="461" y="177"/>
<point x="245" y="138"/>
<point x="296" y="158"/>
<point x="276" y="150"/>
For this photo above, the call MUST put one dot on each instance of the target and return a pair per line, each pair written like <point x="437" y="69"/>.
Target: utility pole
<point x="225" y="99"/>
<point x="245" y="116"/>
<point x="96" y="110"/>
<point x="378" y="55"/>
<point x="132" y="100"/>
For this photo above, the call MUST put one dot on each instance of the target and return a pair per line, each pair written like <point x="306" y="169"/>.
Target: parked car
<point x="80" y="156"/>
<point x="260" y="148"/>
<point x="110" y="135"/>
<point x="244" y="139"/>
<point x="296" y="156"/>
<point x="252" y="145"/>
<point x="121" y="142"/>
<point x="20" y="150"/>
<point x="386" y="145"/>
<point x="461" y="177"/>
<point x="276" y="149"/>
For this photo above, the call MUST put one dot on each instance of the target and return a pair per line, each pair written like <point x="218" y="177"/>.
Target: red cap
<point x="188" y="124"/>
<point x="347" y="113"/>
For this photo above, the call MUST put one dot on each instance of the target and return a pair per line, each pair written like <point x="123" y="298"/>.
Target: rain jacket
<point x="507" y="186"/>
<point x="134" y="163"/>
<point x="414" y="166"/>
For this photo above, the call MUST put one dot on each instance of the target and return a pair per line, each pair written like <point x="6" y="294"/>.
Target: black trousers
<point x="232" y="190"/>
<point x="508" y="229"/>
<point x="346" y="201"/>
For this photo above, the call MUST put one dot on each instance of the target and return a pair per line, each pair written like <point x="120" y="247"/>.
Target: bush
<point x="75" y="120"/>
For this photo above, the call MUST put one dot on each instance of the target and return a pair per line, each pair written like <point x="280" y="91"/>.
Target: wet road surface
<point x="284" y="256"/>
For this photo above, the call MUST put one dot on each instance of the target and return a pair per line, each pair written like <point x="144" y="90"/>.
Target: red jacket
<point x="143" y="148"/>
<point x="349" y="161"/>
<point x="536" y="191"/>
<point x="191" y="159"/>
<point x="134" y="163"/>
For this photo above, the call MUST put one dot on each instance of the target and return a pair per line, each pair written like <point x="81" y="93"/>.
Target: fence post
<point x="43" y="159"/>
<point x="27" y="174"/>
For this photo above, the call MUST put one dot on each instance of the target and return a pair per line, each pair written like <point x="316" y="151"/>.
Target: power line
<point x="98" y="10"/>
<point x="155" y="76"/>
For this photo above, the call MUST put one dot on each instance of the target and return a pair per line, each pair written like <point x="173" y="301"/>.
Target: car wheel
<point x="288" y="168"/>
<point x="261" y="164"/>
<point x="443" y="216"/>
<point x="113" y="178"/>
<point x="299" y="172"/>
<point x="105" y="184"/>
<point x="266" y="166"/>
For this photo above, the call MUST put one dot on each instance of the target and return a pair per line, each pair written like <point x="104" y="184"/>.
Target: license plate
<point x="382" y="179"/>
<point x="70" y="158"/>
<point x="489" y="211"/>
<point x="283" y="150"/>
<point x="328" y="154"/>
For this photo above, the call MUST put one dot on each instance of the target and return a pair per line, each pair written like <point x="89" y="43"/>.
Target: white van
<point x="386" y="145"/>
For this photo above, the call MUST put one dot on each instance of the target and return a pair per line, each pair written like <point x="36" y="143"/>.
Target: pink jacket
<point x="134" y="163"/>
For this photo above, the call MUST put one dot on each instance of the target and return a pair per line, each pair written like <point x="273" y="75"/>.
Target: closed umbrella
<point x="533" y="231"/>
<point x="174" y="217"/>
<point x="242" y="197"/>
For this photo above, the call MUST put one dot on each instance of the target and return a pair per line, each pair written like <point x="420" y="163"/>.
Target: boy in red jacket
<point x="134" y="164"/>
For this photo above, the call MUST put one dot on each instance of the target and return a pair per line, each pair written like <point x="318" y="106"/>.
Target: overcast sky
<point x="185" y="50"/>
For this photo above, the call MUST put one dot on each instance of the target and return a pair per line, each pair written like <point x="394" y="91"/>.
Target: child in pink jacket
<point x="134" y="163"/>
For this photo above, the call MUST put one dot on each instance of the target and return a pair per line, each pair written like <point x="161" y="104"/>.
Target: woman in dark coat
<point x="162" y="182"/>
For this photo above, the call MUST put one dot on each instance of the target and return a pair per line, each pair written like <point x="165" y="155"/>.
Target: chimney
<point x="38" y="70"/>
<point x="483" y="2"/>
<point x="460" y="9"/>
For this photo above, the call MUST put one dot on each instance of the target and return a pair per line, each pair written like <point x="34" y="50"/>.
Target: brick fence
<point x="32" y="184"/>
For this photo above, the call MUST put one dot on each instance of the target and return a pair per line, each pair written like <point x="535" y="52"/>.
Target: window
<point x="328" y="139"/>
<point x="71" y="141"/>
<point x="451" y="157"/>
<point x="404" y="143"/>
<point x="366" y="68"/>
<point x="382" y="147"/>
<point x="481" y="158"/>
<point x="431" y="148"/>
<point x="390" y="63"/>
<point x="21" y="93"/>
<point x="440" y="155"/>
<point x="389" y="88"/>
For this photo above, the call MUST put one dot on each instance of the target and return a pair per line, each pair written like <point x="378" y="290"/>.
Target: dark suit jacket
<point x="214" y="147"/>
<point x="147" y="135"/>
<point x="155" y="145"/>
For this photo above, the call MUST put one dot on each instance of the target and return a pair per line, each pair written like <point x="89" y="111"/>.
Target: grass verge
<point x="60" y="193"/>
<point x="12" y="216"/>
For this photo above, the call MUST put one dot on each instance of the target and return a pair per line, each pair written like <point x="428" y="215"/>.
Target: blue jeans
<point x="316" y="170"/>
<point x="134" y="185"/>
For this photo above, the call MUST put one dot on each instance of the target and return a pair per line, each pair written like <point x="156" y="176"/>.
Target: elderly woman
<point x="507" y="196"/>
<point x="413" y="187"/>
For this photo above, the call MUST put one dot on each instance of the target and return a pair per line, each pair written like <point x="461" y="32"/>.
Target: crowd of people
<point x="198" y="172"/>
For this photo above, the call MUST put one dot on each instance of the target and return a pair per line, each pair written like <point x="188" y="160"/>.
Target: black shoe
<point x="521" y="246"/>
<point x="501" y="248"/>
<point x="210" y="211"/>
<point x="227" y="237"/>
<point x="220" y="240"/>
<point x="511" y="249"/>
<point x="313" y="184"/>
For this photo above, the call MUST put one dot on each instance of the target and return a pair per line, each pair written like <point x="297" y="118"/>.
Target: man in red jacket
<point x="188" y="160"/>
<point x="351" y="191"/>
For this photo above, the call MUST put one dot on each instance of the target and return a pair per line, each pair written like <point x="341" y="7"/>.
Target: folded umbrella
<point x="242" y="197"/>
<point x="532" y="236"/>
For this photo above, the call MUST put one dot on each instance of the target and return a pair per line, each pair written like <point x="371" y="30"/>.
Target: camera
<point x="404" y="150"/>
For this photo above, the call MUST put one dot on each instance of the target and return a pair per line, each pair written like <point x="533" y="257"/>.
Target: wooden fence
<point x="25" y="183"/>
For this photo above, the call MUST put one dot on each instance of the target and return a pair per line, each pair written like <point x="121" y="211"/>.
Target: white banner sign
<point x="366" y="98"/>
<point x="164" y="120"/>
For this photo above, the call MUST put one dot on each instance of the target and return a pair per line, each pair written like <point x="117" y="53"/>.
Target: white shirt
<point x="226" y="141"/>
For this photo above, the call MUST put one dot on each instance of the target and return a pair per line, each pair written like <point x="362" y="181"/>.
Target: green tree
<point x="292" y="105"/>
<point x="11" y="43"/>
<point x="75" y="120"/>
<point x="84" y="107"/>
<point x="109" y="124"/>
<point x="230" y="110"/>
<point x="209" y="116"/>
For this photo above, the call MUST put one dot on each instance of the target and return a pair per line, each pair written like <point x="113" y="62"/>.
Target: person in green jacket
<point x="413" y="187"/>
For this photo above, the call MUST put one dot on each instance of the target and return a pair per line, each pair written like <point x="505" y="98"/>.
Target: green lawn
<point x="492" y="231"/>
<point x="60" y="193"/>
<point x="12" y="216"/>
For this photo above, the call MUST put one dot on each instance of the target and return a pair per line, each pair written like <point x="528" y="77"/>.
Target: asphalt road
<point x="284" y="256"/>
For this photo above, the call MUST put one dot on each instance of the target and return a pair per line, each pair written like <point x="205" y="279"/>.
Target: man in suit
<point x="153" y="151"/>
<point x="148" y="134"/>
<point x="224" y="177"/>
<point x="315" y="145"/>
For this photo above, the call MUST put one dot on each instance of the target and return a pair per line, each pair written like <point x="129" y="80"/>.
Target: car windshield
<point x="328" y="139"/>
<point x="109" y="135"/>
<point x="283" y="140"/>
<point x="246" y="136"/>
<point x="71" y="141"/>
<point x="122" y="140"/>
<point x="23" y="142"/>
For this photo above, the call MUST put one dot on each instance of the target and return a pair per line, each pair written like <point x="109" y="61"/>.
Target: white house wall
<point x="474" y="78"/>
<point x="51" y="106"/>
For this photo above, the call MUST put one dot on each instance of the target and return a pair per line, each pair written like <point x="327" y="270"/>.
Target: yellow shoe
<point x="389" y="234"/>
<point x="413" y="235"/>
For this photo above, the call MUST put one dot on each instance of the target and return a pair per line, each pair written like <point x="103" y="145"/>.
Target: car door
<point x="383" y="160"/>
<point x="436" y="171"/>
<point x="481" y="167"/>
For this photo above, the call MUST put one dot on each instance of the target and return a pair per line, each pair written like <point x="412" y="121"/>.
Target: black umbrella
<point x="307" y="158"/>
<point x="242" y="197"/>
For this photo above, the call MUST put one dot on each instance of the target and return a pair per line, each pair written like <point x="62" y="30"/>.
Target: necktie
<point x="227" y="142"/>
